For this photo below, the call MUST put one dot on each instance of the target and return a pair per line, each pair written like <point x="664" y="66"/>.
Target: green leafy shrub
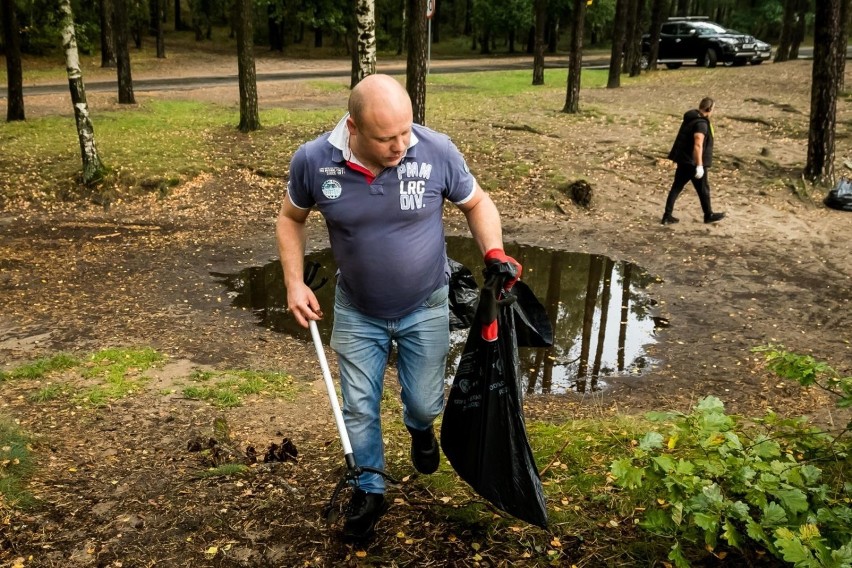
<point x="770" y="484"/>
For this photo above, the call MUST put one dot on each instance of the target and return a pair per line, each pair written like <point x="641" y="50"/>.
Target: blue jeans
<point x="363" y="344"/>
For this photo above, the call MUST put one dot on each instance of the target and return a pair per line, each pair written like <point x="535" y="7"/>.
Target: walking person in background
<point x="692" y="151"/>
<point x="380" y="182"/>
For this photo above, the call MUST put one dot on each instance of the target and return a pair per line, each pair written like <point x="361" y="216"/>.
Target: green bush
<point x="773" y="484"/>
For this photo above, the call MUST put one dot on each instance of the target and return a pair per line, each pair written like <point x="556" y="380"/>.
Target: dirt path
<point x="78" y="278"/>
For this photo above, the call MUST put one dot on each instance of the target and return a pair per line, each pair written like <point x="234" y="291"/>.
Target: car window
<point x="708" y="28"/>
<point x="669" y="29"/>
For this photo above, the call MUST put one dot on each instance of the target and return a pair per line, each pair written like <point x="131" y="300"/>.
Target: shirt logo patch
<point x="331" y="188"/>
<point x="333" y="171"/>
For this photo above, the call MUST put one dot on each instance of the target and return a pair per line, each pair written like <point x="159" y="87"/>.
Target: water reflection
<point x="600" y="312"/>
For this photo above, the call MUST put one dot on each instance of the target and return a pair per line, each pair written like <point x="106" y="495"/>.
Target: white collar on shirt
<point x="339" y="138"/>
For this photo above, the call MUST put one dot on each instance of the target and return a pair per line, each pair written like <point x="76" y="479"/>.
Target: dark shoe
<point x="713" y="217"/>
<point x="362" y="513"/>
<point x="669" y="220"/>
<point x="424" y="450"/>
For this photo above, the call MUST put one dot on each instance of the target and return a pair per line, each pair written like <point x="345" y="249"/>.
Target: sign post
<point x="430" y="11"/>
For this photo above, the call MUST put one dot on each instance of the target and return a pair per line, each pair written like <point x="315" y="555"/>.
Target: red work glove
<point x="509" y="266"/>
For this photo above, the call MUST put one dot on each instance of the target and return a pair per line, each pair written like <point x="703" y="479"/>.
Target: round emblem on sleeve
<point x="331" y="188"/>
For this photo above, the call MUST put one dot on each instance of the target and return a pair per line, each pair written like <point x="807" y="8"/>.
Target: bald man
<point x="380" y="182"/>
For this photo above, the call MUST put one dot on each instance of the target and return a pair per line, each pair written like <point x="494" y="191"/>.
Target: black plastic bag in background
<point x="483" y="433"/>
<point x="841" y="196"/>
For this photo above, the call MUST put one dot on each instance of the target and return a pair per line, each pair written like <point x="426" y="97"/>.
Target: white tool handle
<point x="329" y="385"/>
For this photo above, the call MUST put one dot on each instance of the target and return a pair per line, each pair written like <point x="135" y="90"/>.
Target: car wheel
<point x="710" y="58"/>
<point x="673" y="65"/>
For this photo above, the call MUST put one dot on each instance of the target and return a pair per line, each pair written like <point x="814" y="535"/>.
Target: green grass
<point x="228" y="389"/>
<point x="158" y="144"/>
<point x="118" y="372"/>
<point x="224" y="470"/>
<point x="16" y="464"/>
<point x="40" y="368"/>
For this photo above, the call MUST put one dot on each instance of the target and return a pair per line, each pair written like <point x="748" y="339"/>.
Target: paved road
<point x="443" y="66"/>
<point x="596" y="61"/>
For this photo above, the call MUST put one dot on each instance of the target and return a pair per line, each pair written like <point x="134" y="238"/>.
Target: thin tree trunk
<point x="575" y="58"/>
<point x="820" y="165"/>
<point x="635" y="64"/>
<point x="802" y="7"/>
<point x="120" y="28"/>
<point x="783" y="52"/>
<point x="630" y="37"/>
<point x="843" y="40"/>
<point x="178" y="22"/>
<point x="93" y="168"/>
<point x="416" y="65"/>
<point x="365" y="42"/>
<point x="249" y="118"/>
<point x="107" y="35"/>
<point x="538" y="42"/>
<point x="14" y="68"/>
<point x="616" y="57"/>
<point x="658" y="13"/>
<point x="158" y="28"/>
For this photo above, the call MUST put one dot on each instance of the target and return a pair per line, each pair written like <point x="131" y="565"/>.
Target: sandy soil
<point x="117" y="482"/>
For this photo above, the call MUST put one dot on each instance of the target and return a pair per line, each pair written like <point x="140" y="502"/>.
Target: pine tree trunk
<point x="787" y="25"/>
<point x="416" y="65"/>
<point x="14" y="68"/>
<point x="635" y="66"/>
<point x="107" y="34"/>
<point x="843" y="39"/>
<point x="93" y="168"/>
<point x="575" y="58"/>
<point x="538" y="43"/>
<point x="820" y="165"/>
<point x="249" y="118"/>
<point x="616" y="57"/>
<point x="365" y="42"/>
<point x="658" y="13"/>
<point x="120" y="28"/>
<point x="158" y="28"/>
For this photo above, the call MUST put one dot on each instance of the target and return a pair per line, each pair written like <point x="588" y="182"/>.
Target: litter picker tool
<point x="353" y="470"/>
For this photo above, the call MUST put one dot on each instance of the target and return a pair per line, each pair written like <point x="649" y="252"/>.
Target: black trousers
<point x="683" y="174"/>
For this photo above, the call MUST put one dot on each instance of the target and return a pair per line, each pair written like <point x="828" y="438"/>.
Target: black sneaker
<point x="713" y="217"/>
<point x="362" y="513"/>
<point x="669" y="220"/>
<point x="424" y="450"/>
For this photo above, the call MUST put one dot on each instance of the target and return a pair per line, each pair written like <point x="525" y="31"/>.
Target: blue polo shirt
<point x="387" y="235"/>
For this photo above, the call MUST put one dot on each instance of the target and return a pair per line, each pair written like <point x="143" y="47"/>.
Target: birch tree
<point x="365" y="42"/>
<point x="93" y="168"/>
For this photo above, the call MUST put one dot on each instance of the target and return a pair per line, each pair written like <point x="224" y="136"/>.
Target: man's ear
<point x="350" y="125"/>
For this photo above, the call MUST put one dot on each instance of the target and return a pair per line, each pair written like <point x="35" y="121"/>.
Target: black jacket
<point x="681" y="151"/>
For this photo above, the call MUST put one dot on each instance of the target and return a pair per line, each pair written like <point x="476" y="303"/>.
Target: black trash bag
<point x="483" y="433"/>
<point x="841" y="196"/>
<point x="464" y="294"/>
<point x="532" y="325"/>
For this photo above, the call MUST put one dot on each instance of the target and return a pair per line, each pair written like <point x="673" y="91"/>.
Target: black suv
<point x="697" y="40"/>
